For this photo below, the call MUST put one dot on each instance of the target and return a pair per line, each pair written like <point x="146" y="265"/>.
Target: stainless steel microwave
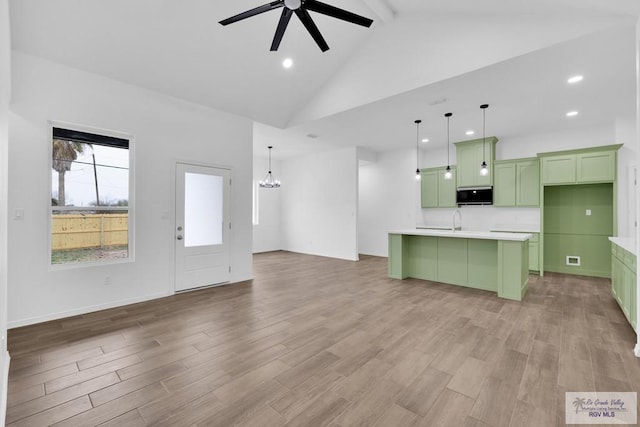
<point x="474" y="196"/>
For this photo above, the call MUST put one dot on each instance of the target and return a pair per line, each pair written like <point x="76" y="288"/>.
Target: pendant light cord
<point x="270" y="159"/>
<point x="448" y="116"/>
<point x="484" y="136"/>
<point x="417" y="122"/>
<point x="484" y="118"/>
<point x="448" y="162"/>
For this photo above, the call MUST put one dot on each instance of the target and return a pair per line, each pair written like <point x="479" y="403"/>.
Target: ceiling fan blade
<point x="312" y="29"/>
<point x="336" y="12"/>
<point x="253" y="12"/>
<point x="282" y="26"/>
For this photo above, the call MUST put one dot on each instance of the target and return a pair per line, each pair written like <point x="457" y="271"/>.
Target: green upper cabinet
<point x="559" y="169"/>
<point x="592" y="165"/>
<point x="516" y="182"/>
<point x="504" y="178"/>
<point x="470" y="155"/>
<point x="436" y="191"/>
<point x="598" y="166"/>
<point x="528" y="183"/>
<point x="429" y="188"/>
<point x="447" y="189"/>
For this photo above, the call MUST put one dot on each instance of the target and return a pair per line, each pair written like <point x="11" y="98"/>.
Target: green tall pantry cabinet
<point x="578" y="210"/>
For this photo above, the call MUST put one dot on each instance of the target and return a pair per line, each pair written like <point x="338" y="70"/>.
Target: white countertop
<point x="626" y="243"/>
<point x="465" y="234"/>
<point x="434" y="227"/>
<point x="516" y="227"/>
<point x="514" y="230"/>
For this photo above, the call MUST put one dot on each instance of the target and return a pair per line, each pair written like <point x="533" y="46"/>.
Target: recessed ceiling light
<point x="469" y="132"/>
<point x="287" y="63"/>
<point x="575" y="79"/>
<point x="572" y="113"/>
<point x="425" y="140"/>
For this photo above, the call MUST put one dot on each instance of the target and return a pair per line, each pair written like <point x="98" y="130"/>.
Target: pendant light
<point x="269" y="181"/>
<point x="447" y="173"/>
<point x="484" y="169"/>
<point x="417" y="122"/>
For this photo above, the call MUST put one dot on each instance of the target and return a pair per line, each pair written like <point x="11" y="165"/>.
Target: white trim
<point x="89" y="208"/>
<point x="5" y="388"/>
<point x="85" y="310"/>
<point x="255" y="202"/>
<point x="87" y="264"/>
<point x="637" y="188"/>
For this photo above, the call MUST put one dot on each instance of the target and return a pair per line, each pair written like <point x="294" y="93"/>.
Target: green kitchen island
<point x="492" y="261"/>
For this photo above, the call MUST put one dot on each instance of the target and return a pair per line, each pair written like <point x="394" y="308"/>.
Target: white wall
<point x="485" y="218"/>
<point x="627" y="163"/>
<point x="319" y="204"/>
<point x="267" y="233"/>
<point x="387" y="199"/>
<point x="389" y="196"/>
<point x="529" y="145"/>
<point x="5" y="96"/>
<point x="164" y="129"/>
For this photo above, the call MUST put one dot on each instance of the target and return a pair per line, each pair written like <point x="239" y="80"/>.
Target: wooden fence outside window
<point x="80" y="231"/>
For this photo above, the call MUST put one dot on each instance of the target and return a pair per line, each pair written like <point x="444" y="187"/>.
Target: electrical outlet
<point x="107" y="280"/>
<point x="588" y="212"/>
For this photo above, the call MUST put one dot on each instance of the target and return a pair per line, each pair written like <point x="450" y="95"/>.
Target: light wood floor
<point x="321" y="342"/>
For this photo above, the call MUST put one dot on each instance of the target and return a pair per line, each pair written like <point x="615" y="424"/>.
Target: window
<point x="90" y="195"/>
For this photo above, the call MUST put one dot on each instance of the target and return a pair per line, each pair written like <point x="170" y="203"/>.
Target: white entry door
<point x="202" y="226"/>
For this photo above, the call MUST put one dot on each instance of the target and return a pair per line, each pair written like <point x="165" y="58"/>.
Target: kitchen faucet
<point x="453" y="226"/>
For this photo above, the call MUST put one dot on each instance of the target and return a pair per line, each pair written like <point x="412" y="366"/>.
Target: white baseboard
<point x="636" y="350"/>
<point x="5" y="388"/>
<point x="85" y="310"/>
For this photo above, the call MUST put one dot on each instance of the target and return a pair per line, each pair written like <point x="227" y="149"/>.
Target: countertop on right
<point x="626" y="243"/>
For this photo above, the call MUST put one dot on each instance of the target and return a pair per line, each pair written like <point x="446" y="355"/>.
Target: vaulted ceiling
<point x="418" y="59"/>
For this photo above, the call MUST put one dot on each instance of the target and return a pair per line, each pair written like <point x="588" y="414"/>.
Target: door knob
<point x="179" y="237"/>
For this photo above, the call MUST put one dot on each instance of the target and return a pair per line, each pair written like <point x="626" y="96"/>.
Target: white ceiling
<point x="526" y="95"/>
<point x="372" y="84"/>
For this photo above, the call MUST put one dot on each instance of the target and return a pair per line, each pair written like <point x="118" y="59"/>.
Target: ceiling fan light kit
<point x="301" y="8"/>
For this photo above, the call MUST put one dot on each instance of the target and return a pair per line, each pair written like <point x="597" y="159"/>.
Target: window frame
<point x="131" y="200"/>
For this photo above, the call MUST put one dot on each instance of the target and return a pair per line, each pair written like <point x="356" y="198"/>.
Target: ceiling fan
<point x="301" y="8"/>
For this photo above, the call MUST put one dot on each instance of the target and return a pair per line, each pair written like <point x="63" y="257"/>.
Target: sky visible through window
<point x="112" y="167"/>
